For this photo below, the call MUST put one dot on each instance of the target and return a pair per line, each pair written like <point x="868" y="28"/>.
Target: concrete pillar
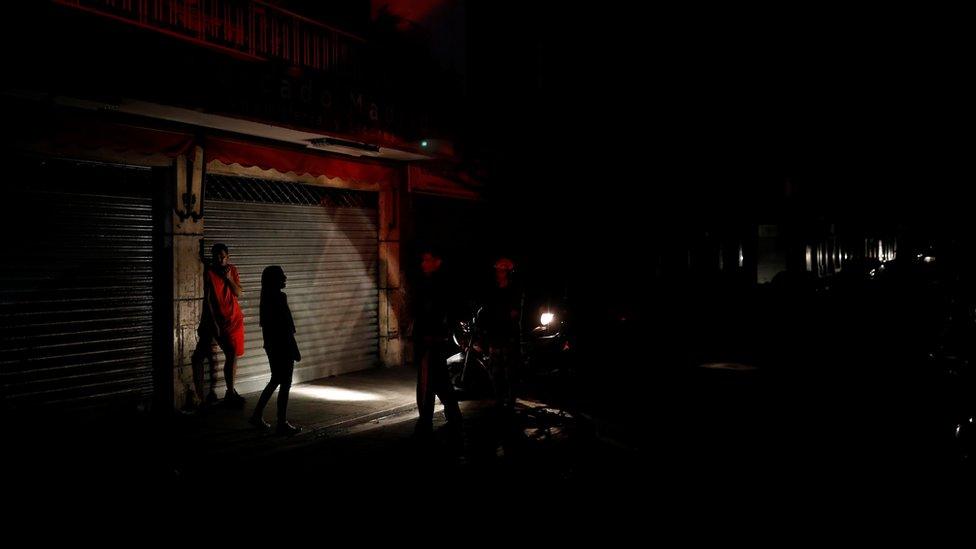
<point x="392" y="303"/>
<point x="185" y="235"/>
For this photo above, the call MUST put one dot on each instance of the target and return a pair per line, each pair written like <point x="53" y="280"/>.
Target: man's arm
<point x="233" y="281"/>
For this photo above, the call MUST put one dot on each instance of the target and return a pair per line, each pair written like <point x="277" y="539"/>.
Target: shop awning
<point x="283" y="160"/>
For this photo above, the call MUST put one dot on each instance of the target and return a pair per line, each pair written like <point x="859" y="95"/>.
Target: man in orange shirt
<point x="222" y="321"/>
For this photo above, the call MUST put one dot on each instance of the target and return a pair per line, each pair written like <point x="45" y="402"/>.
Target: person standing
<point x="222" y="322"/>
<point x="278" y="328"/>
<point x="430" y="333"/>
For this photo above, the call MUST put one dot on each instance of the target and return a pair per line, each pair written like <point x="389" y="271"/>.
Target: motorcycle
<point x="469" y="367"/>
<point x="546" y="354"/>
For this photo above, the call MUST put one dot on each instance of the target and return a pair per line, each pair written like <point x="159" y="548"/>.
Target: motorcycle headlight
<point x="547" y="318"/>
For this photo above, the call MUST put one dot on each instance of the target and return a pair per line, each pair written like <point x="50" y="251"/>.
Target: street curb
<point x="328" y="430"/>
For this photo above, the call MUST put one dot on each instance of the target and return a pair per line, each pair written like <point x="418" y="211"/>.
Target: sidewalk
<point x="135" y="449"/>
<point x="197" y="451"/>
<point x="323" y="408"/>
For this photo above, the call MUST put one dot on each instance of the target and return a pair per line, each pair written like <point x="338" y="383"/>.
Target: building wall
<point x="185" y="236"/>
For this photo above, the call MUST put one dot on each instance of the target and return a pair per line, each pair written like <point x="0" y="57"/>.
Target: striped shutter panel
<point x="326" y="242"/>
<point x="76" y="285"/>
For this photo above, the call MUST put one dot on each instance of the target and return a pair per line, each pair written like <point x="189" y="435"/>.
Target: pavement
<point x="325" y="407"/>
<point x="86" y="449"/>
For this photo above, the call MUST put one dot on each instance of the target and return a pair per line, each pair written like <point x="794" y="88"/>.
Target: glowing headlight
<point x="547" y="318"/>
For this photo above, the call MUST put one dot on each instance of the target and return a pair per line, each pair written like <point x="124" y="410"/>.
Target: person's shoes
<point x="259" y="422"/>
<point x="211" y="399"/>
<point x="234" y="400"/>
<point x="287" y="429"/>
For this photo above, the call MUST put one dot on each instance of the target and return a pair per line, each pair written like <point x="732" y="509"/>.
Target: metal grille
<point x="329" y="255"/>
<point x="76" y="285"/>
<point x="246" y="189"/>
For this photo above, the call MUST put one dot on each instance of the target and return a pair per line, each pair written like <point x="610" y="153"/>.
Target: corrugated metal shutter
<point x="76" y="285"/>
<point x="329" y="254"/>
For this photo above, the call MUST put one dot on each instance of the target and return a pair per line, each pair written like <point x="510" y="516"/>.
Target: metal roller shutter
<point x="76" y="285"/>
<point x="326" y="242"/>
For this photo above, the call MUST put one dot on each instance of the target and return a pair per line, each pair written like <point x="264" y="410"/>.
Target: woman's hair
<point x="270" y="286"/>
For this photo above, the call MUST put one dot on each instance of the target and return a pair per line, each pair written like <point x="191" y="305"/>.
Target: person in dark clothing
<point x="431" y="314"/>
<point x="501" y="322"/>
<point x="278" y="329"/>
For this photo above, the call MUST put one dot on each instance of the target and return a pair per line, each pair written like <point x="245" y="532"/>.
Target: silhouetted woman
<point x="278" y="328"/>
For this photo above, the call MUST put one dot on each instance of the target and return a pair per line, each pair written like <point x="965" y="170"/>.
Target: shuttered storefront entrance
<point x="326" y="242"/>
<point x="76" y="285"/>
